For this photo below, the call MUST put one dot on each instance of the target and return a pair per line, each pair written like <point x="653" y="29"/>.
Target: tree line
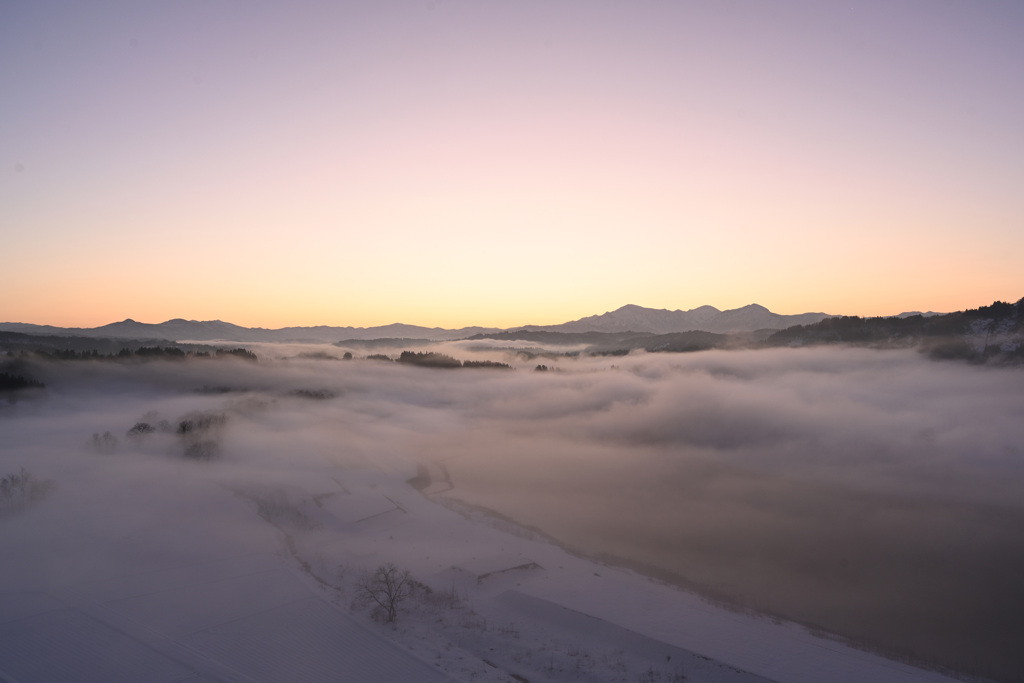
<point x="143" y="352"/>
<point x="432" y="359"/>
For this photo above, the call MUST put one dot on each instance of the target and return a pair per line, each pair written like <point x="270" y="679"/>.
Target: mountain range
<point x="629" y="318"/>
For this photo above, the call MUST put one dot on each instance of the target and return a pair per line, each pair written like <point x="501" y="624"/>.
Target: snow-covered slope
<point x="140" y="565"/>
<point x="164" y="594"/>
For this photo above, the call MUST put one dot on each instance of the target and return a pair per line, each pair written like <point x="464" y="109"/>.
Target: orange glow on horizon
<point x="479" y="166"/>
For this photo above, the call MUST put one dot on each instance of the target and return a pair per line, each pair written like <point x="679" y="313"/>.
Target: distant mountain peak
<point x="634" y="318"/>
<point x="628" y="318"/>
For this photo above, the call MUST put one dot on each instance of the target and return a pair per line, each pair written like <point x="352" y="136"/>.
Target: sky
<point x="503" y="163"/>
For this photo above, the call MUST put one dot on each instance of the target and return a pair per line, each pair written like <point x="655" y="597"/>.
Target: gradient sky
<point x="506" y="162"/>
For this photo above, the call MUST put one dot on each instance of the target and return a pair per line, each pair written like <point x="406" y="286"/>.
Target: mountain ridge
<point x="628" y="318"/>
<point x="633" y="318"/>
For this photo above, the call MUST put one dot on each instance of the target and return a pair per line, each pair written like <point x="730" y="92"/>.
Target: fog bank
<point x="871" y="493"/>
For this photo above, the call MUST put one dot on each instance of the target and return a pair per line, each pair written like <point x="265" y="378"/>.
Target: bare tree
<point x="386" y="587"/>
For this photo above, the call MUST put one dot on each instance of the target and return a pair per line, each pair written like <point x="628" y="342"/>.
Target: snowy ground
<point x="140" y="564"/>
<point x="165" y="597"/>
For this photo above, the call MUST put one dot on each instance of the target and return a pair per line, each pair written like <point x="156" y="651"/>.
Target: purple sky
<point x="506" y="162"/>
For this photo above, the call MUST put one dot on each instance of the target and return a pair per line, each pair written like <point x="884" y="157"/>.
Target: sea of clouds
<point x="876" y="494"/>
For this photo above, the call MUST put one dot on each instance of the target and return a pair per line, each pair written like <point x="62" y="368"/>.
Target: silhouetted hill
<point x="216" y="330"/>
<point x="628" y="319"/>
<point x="556" y="338"/>
<point x="382" y="343"/>
<point x="680" y="342"/>
<point x="989" y="333"/>
<point x="69" y="346"/>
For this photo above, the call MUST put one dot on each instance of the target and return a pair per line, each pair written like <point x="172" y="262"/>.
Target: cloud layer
<point x="874" y="494"/>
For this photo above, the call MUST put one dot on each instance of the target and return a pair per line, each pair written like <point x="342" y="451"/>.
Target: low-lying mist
<point x="873" y="494"/>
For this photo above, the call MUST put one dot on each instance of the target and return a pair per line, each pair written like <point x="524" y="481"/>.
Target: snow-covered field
<point x="141" y="564"/>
